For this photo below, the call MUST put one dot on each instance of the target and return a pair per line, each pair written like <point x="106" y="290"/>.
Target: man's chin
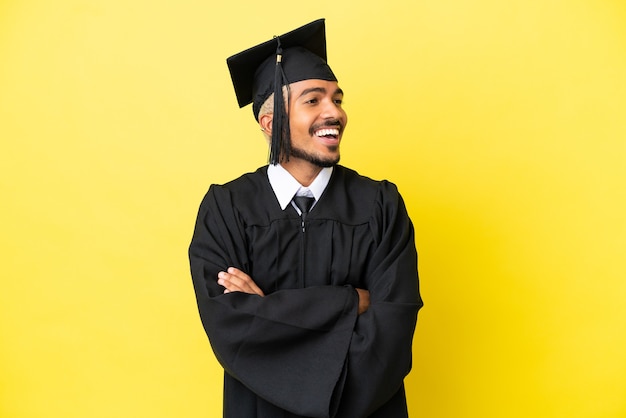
<point x="315" y="159"/>
<point x="325" y="164"/>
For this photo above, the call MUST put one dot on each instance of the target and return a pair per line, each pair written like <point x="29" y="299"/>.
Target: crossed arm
<point x="235" y="280"/>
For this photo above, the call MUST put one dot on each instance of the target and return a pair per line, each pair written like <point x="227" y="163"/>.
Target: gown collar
<point x="285" y="186"/>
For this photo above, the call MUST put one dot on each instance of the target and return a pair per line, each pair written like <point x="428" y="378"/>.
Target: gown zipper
<point x="302" y="250"/>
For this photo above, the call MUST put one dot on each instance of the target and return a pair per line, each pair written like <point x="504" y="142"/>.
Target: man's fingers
<point x="237" y="278"/>
<point x="245" y="282"/>
<point x="234" y="280"/>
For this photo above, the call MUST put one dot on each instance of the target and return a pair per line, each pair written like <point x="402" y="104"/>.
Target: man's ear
<point x="266" y="123"/>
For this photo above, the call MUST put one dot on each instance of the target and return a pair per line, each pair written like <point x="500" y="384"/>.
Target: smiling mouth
<point x="329" y="133"/>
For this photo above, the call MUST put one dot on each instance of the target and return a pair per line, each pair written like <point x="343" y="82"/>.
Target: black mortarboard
<point x="263" y="69"/>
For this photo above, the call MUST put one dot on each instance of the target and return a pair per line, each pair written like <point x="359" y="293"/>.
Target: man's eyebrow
<point x="312" y="90"/>
<point x="318" y="90"/>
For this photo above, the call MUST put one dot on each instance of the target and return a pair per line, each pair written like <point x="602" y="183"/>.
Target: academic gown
<point x="302" y="350"/>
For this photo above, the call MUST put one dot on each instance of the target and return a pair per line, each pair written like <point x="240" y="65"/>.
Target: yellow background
<point x="502" y="122"/>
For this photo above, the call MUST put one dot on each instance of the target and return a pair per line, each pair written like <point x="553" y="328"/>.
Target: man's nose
<point x="331" y="110"/>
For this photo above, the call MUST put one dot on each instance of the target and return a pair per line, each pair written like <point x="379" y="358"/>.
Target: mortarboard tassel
<point x="280" y="145"/>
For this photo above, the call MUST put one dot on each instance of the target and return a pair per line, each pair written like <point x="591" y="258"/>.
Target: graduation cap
<point x="265" y="68"/>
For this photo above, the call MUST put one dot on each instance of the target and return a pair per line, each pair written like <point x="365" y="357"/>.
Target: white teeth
<point x="325" y="132"/>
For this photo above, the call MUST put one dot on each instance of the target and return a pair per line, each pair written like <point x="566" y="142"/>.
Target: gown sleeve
<point x="380" y="350"/>
<point x="282" y="346"/>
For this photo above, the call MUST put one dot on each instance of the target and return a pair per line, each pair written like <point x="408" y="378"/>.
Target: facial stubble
<point x="315" y="159"/>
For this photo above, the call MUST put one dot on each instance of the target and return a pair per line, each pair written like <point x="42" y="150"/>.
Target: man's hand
<point x="235" y="280"/>
<point x="364" y="300"/>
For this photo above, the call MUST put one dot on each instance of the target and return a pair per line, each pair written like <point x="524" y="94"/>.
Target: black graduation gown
<point x="302" y="350"/>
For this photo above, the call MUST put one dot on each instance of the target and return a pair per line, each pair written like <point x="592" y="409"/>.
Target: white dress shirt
<point x="285" y="186"/>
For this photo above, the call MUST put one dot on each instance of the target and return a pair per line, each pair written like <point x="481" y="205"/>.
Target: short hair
<point x="267" y="108"/>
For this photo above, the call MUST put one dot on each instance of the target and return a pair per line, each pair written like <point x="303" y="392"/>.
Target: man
<point x="305" y="272"/>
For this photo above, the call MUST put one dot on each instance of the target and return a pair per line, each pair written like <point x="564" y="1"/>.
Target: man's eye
<point x="311" y="101"/>
<point x="338" y="102"/>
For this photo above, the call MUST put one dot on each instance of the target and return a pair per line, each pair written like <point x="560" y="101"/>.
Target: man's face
<point x="316" y="121"/>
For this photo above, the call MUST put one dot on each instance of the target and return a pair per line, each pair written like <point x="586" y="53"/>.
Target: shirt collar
<point x="285" y="186"/>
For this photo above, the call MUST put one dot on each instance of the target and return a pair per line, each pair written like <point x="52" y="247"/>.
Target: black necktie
<point x="304" y="203"/>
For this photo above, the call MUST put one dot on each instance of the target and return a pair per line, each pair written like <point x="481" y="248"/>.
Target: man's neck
<point x="303" y="171"/>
